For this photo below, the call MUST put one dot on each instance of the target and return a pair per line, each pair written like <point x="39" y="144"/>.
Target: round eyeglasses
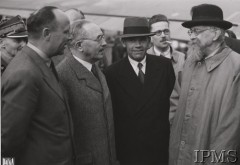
<point x="159" y="32"/>
<point x="196" y="32"/>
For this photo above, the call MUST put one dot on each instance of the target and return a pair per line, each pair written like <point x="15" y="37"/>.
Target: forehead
<point x="93" y="29"/>
<point x="159" y="26"/>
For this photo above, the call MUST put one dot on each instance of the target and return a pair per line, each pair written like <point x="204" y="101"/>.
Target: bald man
<point x="36" y="122"/>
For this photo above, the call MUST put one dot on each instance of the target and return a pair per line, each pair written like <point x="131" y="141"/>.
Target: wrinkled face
<point x="11" y="46"/>
<point x="201" y="40"/>
<point x="162" y="34"/>
<point x="60" y="36"/>
<point x="137" y="47"/>
<point x="93" y="44"/>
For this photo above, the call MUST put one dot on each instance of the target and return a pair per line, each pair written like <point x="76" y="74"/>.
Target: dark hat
<point x="136" y="27"/>
<point x="13" y="28"/>
<point x="207" y="14"/>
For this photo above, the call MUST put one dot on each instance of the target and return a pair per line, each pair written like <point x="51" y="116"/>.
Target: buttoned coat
<point x="178" y="60"/>
<point x="141" y="111"/>
<point x="208" y="113"/>
<point x="91" y="108"/>
<point x="36" y="122"/>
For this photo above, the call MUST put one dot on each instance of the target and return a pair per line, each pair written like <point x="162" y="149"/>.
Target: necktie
<point x="52" y="67"/>
<point x="94" y="71"/>
<point x="140" y="73"/>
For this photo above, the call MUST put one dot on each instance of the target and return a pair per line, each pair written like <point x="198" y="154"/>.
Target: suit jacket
<point x="141" y="111"/>
<point x="178" y="60"/>
<point x="234" y="44"/>
<point x="36" y="121"/>
<point x="91" y="108"/>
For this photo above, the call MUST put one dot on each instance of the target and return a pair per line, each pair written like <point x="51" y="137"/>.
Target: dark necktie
<point x="94" y="71"/>
<point x="53" y="69"/>
<point x="140" y="73"/>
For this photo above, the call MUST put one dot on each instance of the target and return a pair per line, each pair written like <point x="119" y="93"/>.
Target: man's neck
<point x="162" y="49"/>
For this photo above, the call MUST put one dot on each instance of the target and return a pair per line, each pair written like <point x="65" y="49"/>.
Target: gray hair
<point x="78" y="31"/>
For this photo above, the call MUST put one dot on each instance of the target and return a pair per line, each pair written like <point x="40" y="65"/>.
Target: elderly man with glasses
<point x="88" y="95"/>
<point x="206" y="126"/>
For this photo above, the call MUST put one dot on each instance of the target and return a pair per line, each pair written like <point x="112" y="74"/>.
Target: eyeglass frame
<point x="99" y="38"/>
<point x="196" y="32"/>
<point x="160" y="32"/>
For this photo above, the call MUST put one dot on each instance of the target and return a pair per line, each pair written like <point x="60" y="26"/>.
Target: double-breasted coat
<point x="141" y="111"/>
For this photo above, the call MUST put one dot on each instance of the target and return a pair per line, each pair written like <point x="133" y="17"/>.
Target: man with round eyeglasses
<point x="89" y="96"/>
<point x="161" y="41"/>
<point x="206" y="125"/>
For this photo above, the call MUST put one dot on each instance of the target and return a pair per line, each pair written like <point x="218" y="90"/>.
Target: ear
<point x="46" y="34"/>
<point x="217" y="34"/>
<point x="123" y="42"/>
<point x="79" y="46"/>
<point x="150" y="43"/>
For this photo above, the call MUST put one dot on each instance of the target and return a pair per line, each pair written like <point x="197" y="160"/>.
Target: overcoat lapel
<point x="49" y="77"/>
<point x="152" y="79"/>
<point x="83" y="74"/>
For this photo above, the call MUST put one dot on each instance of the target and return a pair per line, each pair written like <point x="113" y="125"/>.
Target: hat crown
<point x="136" y="26"/>
<point x="207" y="11"/>
<point x="13" y="27"/>
<point x="208" y="15"/>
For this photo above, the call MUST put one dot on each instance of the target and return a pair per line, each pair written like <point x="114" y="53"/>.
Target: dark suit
<point x="36" y="121"/>
<point x="91" y="108"/>
<point x="234" y="44"/>
<point x="141" y="111"/>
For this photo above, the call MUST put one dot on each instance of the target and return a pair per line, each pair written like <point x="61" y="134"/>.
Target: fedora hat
<point x="13" y="28"/>
<point x="207" y="14"/>
<point x="136" y="27"/>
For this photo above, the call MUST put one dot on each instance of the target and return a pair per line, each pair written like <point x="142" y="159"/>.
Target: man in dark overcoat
<point x="140" y="86"/>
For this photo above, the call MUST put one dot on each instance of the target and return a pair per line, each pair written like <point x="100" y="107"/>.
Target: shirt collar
<point x="40" y="53"/>
<point x="135" y="63"/>
<point x="167" y="53"/>
<point x="84" y="63"/>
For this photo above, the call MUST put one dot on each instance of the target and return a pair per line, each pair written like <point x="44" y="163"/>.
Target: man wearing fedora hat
<point x="206" y="126"/>
<point x="140" y="86"/>
<point x="13" y="36"/>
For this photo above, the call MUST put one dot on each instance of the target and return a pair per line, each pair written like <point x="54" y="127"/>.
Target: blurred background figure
<point x="230" y="33"/>
<point x="118" y="50"/>
<point x="13" y="36"/>
<point x="73" y="15"/>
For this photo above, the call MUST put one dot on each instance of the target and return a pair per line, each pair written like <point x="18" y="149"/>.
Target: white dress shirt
<point x="135" y="65"/>
<point x="84" y="63"/>
<point x="166" y="54"/>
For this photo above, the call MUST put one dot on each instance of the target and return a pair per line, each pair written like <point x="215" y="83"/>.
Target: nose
<point x="192" y="36"/>
<point x="104" y="43"/>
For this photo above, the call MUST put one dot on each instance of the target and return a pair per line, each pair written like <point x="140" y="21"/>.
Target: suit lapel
<point x="48" y="75"/>
<point x="83" y="74"/>
<point x="129" y="80"/>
